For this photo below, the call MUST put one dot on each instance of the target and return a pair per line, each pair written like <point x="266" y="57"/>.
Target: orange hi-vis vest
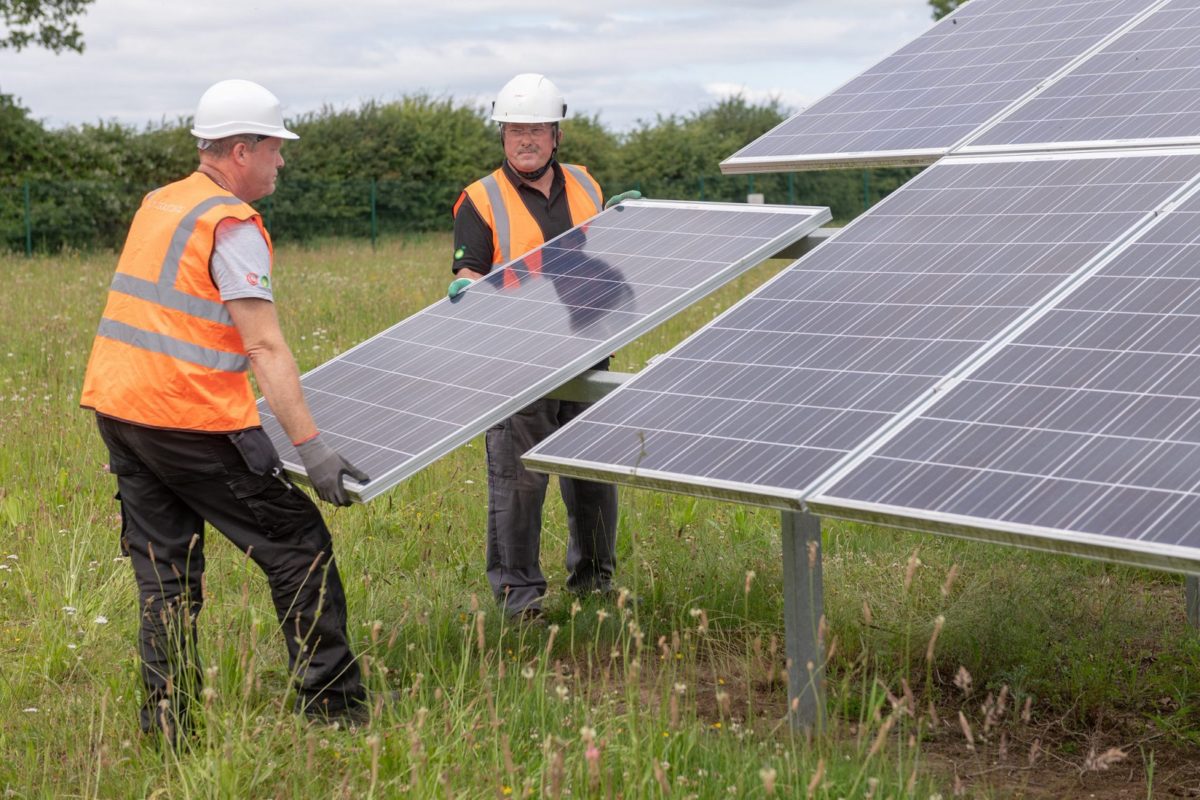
<point x="167" y="354"/>
<point x="514" y="230"/>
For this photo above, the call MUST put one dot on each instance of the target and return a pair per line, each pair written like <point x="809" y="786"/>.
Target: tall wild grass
<point x="952" y="668"/>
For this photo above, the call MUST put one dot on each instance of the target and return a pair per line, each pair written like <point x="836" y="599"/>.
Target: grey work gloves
<point x="632" y="194"/>
<point x="325" y="469"/>
<point x="456" y="286"/>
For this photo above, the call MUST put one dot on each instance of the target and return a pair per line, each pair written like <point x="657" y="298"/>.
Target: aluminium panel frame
<point x="1096" y="145"/>
<point x="1132" y="552"/>
<point x="749" y="165"/>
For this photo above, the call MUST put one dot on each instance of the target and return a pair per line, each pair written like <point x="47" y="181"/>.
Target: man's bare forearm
<point x="274" y="367"/>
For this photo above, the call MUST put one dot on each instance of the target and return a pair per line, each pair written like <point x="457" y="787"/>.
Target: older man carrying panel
<point x="529" y="200"/>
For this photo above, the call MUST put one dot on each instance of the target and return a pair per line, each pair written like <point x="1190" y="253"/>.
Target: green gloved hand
<point x="632" y="194"/>
<point x="456" y="287"/>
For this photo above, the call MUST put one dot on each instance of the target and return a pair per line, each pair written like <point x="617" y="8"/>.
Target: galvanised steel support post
<point x="1191" y="584"/>
<point x="804" y="619"/>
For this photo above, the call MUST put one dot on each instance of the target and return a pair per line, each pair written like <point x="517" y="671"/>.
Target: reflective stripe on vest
<point x="170" y="297"/>
<point x="164" y="292"/>
<point x="514" y="229"/>
<point x="183" y="234"/>
<point x="499" y="217"/>
<point x="170" y="346"/>
<point x="587" y="185"/>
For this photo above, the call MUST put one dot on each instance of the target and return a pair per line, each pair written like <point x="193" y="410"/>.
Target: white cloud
<point x="625" y="61"/>
<point x="788" y="98"/>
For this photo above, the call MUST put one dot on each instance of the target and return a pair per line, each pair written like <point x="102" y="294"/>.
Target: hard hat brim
<point x="520" y="118"/>
<point x="235" y="128"/>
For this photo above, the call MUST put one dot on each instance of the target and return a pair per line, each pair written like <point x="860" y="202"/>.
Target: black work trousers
<point x="169" y="483"/>
<point x="515" y="498"/>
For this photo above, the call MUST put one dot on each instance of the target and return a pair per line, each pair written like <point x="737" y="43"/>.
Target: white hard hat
<point x="236" y="106"/>
<point x="529" y="97"/>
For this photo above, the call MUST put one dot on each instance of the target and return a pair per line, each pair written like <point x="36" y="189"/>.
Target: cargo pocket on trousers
<point x="256" y="449"/>
<point x="119" y="465"/>
<point x="501" y="458"/>
<point x="279" y="508"/>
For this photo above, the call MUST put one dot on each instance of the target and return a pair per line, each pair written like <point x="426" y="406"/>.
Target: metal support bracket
<point x="808" y="243"/>
<point x="590" y="386"/>
<point x="804" y="619"/>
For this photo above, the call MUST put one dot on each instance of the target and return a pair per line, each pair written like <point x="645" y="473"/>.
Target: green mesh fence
<point x="39" y="216"/>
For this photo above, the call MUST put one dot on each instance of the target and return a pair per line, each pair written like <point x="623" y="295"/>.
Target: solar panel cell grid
<point x="941" y="87"/>
<point x="427" y="384"/>
<point x="762" y="402"/>
<point x="1143" y="86"/>
<point x="1088" y="422"/>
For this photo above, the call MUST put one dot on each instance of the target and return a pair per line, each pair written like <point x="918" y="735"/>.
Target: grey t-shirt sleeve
<point x="241" y="262"/>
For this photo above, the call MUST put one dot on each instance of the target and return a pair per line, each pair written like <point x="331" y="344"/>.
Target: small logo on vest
<point x="251" y="279"/>
<point x="264" y="281"/>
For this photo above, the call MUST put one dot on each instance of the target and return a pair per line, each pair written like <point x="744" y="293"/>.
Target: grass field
<point x="954" y="669"/>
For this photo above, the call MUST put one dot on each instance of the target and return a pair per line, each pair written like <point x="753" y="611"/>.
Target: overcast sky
<point x="149" y="60"/>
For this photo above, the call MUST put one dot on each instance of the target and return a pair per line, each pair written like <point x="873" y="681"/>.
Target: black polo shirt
<point x="473" y="236"/>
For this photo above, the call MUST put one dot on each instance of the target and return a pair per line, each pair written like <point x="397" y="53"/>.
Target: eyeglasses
<point x="535" y="130"/>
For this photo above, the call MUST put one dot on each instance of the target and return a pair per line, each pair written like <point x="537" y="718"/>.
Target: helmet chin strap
<point x="537" y="173"/>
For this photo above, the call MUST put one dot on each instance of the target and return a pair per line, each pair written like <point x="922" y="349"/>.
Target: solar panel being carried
<point x="1141" y="88"/>
<point x="407" y="396"/>
<point x="1081" y="435"/>
<point x="783" y="387"/>
<point x="936" y="91"/>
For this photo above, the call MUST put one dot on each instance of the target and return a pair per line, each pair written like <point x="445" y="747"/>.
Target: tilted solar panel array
<point x="939" y="90"/>
<point x="1141" y="88"/>
<point x="1084" y="429"/>
<point x="787" y="384"/>
<point x="1020" y="365"/>
<point x="407" y="396"/>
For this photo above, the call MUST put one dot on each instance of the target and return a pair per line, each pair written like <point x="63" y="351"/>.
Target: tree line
<point x="383" y="167"/>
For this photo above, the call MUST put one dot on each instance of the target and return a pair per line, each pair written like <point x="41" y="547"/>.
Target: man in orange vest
<point x="189" y="310"/>
<point x="530" y="199"/>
